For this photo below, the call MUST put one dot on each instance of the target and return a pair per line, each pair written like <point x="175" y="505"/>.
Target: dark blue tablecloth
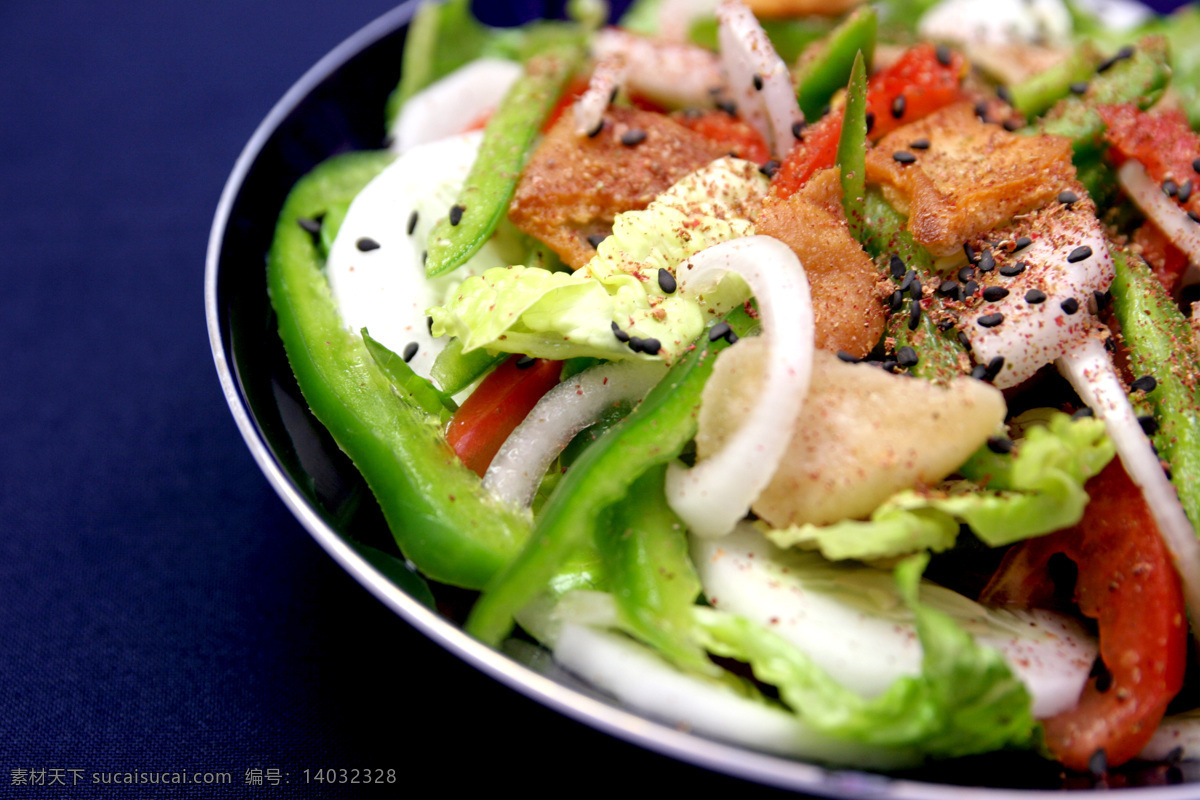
<point x="160" y="610"/>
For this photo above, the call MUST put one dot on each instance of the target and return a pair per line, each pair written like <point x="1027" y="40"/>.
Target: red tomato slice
<point x="918" y="84"/>
<point x="1165" y="259"/>
<point x="497" y="406"/>
<point x="1163" y="142"/>
<point x="717" y="126"/>
<point x="1127" y="584"/>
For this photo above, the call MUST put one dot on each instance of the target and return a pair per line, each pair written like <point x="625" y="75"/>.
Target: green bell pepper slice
<point x="440" y="515"/>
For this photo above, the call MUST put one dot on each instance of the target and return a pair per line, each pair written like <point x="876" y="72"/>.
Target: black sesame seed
<point x="827" y="108"/>
<point x="731" y="337"/>
<point x="633" y="137"/>
<point x="1149" y="424"/>
<point x="1012" y="270"/>
<point x="666" y="281"/>
<point x="870" y="119"/>
<point x="964" y="340"/>
<point x="456" y="212"/>
<point x="429" y="325"/>
<point x="621" y="335"/>
<point x="899" y="104"/>
<point x="757" y="80"/>
<point x="979" y="372"/>
<point x="651" y="346"/>
<point x="1196" y="165"/>
<point x="1146" y="383"/>
<point x="1000" y="444"/>
<point x="1193" y="216"/>
<point x="894" y="301"/>
<point x="987" y="262"/>
<point x="1083" y="413"/>
<point x="412" y="222"/>
<point x="966" y="273"/>
<point x="313" y="226"/>
<point x="970" y="288"/>
<point x="1098" y="763"/>
<point x="897" y="266"/>
<point x="424" y="257"/>
<point x="991" y="320"/>
<point x="612" y="96"/>
<point x="594" y="239"/>
<point x="849" y="358"/>
<point x="909" y="277"/>
<point x="366" y="244"/>
<point x="943" y="55"/>
<point x="719" y="331"/>
<point x="945" y="323"/>
<point x="635" y="343"/>
<point x="594" y="132"/>
<point x="1068" y="197"/>
<point x="1022" y="243"/>
<point x="907" y="357"/>
<point x="1004" y="94"/>
<point x="525" y="362"/>
<point x="1035" y="296"/>
<point x="948" y="288"/>
<point x="903" y="157"/>
<point x="1122" y="54"/>
<point x="1185" y="191"/>
<point x="1012" y="124"/>
<point x="770" y="168"/>
<point x="1078" y="87"/>
<point x="798" y="129"/>
<point x="915" y="290"/>
<point x="728" y="106"/>
<point x="1070" y="305"/>
<point x="410" y="350"/>
<point x="1170" y="188"/>
<point x="1081" y="253"/>
<point x="919" y="144"/>
<point x="993" y="367"/>
<point x="969" y="252"/>
<point x="914" y="316"/>
<point x="994" y="293"/>
<point x="1103" y="678"/>
<point x="981" y="110"/>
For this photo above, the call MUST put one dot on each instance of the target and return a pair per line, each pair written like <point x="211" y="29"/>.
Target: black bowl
<point x="335" y="107"/>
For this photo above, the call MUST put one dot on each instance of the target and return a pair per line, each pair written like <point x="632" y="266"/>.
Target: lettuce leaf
<point x="1035" y="490"/>
<point x="966" y="699"/>
<point x="564" y="315"/>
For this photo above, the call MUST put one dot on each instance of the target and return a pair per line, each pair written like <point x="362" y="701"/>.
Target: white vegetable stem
<point x="1183" y="232"/>
<point x="758" y="79"/>
<point x="713" y="495"/>
<point x="607" y="78"/>
<point x="1090" y="371"/>
<point x="522" y="461"/>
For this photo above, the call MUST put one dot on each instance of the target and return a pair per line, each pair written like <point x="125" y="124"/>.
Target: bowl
<point x="335" y="107"/>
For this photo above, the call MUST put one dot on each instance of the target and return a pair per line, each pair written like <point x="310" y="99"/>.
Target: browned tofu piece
<point x="973" y="177"/>
<point x="574" y="186"/>
<point x="847" y="289"/>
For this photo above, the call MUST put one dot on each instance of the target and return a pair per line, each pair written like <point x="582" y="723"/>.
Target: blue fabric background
<point x="160" y="610"/>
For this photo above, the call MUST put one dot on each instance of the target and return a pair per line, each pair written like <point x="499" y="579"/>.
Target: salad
<point x="823" y="380"/>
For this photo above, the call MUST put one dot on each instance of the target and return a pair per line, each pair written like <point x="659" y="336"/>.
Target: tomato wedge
<point x="497" y="406"/>
<point x="1166" y="260"/>
<point x="738" y="135"/>
<point x="1162" y="141"/>
<point x="921" y="81"/>
<point x="1127" y="584"/>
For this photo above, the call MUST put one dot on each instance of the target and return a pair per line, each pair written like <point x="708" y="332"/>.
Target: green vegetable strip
<point x="1139" y="79"/>
<point x="852" y="150"/>
<point x="454" y="370"/>
<point x="654" y="433"/>
<point x="822" y="75"/>
<point x="408" y="384"/>
<point x="442" y="519"/>
<point x="1161" y="345"/>
<point x="645" y="553"/>
<point x="507" y="143"/>
<point x="939" y="352"/>
<point x="1036" y="95"/>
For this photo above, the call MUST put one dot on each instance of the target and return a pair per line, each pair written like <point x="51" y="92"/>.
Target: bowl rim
<point x="726" y="758"/>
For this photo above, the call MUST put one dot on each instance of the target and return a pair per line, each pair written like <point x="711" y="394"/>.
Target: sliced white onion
<point x="1181" y="229"/>
<point x="522" y="461"/>
<point x="640" y="679"/>
<point x="1091" y="372"/>
<point x="673" y="73"/>
<point x="454" y="103"/>
<point x="758" y="78"/>
<point x="1177" y="736"/>
<point x="607" y="77"/>
<point x="675" y="17"/>
<point x="1032" y="335"/>
<point x="713" y="495"/>
<point x="849" y="620"/>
